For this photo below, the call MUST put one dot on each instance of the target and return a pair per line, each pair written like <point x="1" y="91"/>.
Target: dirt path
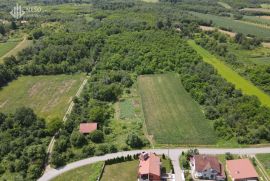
<point x="20" y="46"/>
<point x="50" y="147"/>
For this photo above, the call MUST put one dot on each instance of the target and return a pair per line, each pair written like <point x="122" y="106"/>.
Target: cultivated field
<point x="231" y="76"/>
<point x="262" y="10"/>
<point x="121" y="171"/>
<point x="49" y="96"/>
<point x="236" y="26"/>
<point x="263" y="20"/>
<point x="89" y="172"/>
<point x="172" y="116"/>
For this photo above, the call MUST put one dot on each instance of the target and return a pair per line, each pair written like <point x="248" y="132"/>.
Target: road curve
<point x="174" y="155"/>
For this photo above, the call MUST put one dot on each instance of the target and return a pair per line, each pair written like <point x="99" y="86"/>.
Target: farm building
<point x="207" y="167"/>
<point x="149" y="167"/>
<point x="241" y="170"/>
<point x="87" y="128"/>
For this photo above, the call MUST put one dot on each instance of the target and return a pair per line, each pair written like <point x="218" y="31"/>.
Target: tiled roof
<point x="241" y="169"/>
<point x="88" y="127"/>
<point x="151" y="165"/>
<point x="205" y="162"/>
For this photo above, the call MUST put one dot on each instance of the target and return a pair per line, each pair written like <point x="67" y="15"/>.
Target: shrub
<point x="97" y="136"/>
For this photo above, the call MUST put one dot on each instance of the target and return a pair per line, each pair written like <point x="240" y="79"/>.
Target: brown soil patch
<point x="209" y="28"/>
<point x="231" y="34"/>
<point x="264" y="17"/>
<point x="3" y="104"/>
<point x="65" y="87"/>
<point x="266" y="44"/>
<point x="35" y="89"/>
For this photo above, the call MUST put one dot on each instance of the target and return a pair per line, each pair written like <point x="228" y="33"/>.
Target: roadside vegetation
<point x="89" y="172"/>
<point x="121" y="171"/>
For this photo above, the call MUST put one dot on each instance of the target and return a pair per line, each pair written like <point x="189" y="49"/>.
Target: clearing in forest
<point x="171" y="115"/>
<point x="48" y="96"/>
<point x="230" y="75"/>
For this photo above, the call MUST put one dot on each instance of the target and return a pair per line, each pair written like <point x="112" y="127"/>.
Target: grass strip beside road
<point x="89" y="172"/>
<point x="230" y="75"/>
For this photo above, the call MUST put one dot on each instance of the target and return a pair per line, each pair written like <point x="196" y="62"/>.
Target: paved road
<point x="174" y="155"/>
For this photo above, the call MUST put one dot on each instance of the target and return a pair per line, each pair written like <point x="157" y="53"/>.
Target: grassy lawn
<point x="172" y="116"/>
<point x="166" y="164"/>
<point x="127" y="110"/>
<point x="88" y="173"/>
<point x="231" y="76"/>
<point x="121" y="171"/>
<point x="49" y="96"/>
<point x="265" y="160"/>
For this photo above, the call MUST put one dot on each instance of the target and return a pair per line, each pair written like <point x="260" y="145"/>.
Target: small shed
<point x="87" y="128"/>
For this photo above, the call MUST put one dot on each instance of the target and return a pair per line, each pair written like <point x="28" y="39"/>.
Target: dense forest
<point x="24" y="140"/>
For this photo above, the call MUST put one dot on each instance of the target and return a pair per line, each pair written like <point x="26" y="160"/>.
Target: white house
<point x="207" y="167"/>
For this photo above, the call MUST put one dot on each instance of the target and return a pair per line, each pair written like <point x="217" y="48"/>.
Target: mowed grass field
<point x="121" y="171"/>
<point x="86" y="173"/>
<point x="231" y="76"/>
<point x="48" y="96"/>
<point x="171" y="115"/>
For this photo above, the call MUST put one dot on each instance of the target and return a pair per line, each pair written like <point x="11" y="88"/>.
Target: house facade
<point x="207" y="167"/>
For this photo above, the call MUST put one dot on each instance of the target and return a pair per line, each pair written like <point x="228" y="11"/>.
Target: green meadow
<point x="48" y="96"/>
<point x="171" y="115"/>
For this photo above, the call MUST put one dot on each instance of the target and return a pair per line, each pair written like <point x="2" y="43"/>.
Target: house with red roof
<point x="86" y="128"/>
<point x="241" y="170"/>
<point x="206" y="167"/>
<point x="149" y="167"/>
